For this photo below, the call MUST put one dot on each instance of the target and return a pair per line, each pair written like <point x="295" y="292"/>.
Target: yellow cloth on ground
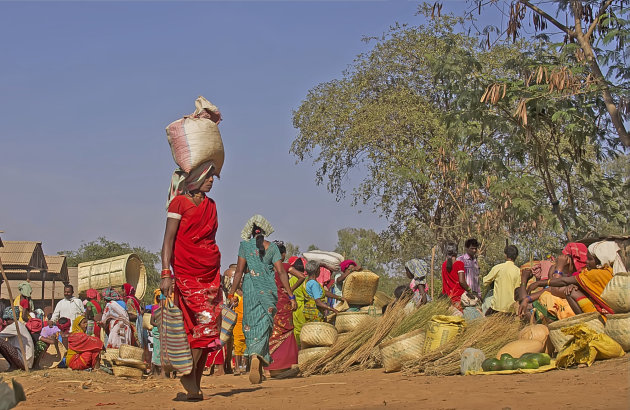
<point x="586" y="305"/>
<point x="506" y="277"/>
<point x="555" y="305"/>
<point x="587" y="346"/>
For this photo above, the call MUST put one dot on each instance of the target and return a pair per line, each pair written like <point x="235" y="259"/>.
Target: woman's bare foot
<point x="189" y="383"/>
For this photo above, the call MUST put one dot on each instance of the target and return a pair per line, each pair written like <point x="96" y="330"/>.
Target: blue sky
<point x="86" y="89"/>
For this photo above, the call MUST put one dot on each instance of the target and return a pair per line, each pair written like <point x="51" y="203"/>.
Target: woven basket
<point x="341" y="337"/>
<point x="125" y="371"/>
<point x="618" y="328"/>
<point x="317" y="334"/>
<point x="348" y="321"/>
<point x="306" y="356"/>
<point x="616" y="294"/>
<point x="381" y="299"/>
<point x="131" y="352"/>
<point x="559" y="339"/>
<point x="130" y="363"/>
<point x="110" y="355"/>
<point x="360" y="287"/>
<point x="401" y="349"/>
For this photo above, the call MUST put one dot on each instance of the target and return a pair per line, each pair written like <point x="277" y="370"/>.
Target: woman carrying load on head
<point x="584" y="290"/>
<point x="83" y="350"/>
<point x="260" y="293"/>
<point x="191" y="249"/>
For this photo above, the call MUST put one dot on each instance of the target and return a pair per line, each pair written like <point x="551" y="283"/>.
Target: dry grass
<point x="419" y="318"/>
<point x="486" y="334"/>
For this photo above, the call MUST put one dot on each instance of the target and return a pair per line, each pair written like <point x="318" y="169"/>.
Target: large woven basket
<point x="110" y="355"/>
<point x="559" y="339"/>
<point x="618" y="328"/>
<point x="131" y="352"/>
<point x="125" y="371"/>
<point x="360" y="287"/>
<point x="306" y="356"/>
<point x="401" y="349"/>
<point x="616" y="294"/>
<point x="381" y="299"/>
<point x="130" y="363"/>
<point x="318" y="334"/>
<point x="341" y="337"/>
<point x="348" y="321"/>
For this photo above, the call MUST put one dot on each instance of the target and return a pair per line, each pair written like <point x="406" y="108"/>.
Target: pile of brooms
<point x="359" y="350"/>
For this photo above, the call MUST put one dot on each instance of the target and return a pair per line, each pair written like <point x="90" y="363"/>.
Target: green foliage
<point x="410" y="121"/>
<point x="102" y="248"/>
<point x="312" y="247"/>
<point x="292" y="250"/>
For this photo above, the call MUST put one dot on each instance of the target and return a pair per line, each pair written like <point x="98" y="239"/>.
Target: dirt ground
<point x="605" y="385"/>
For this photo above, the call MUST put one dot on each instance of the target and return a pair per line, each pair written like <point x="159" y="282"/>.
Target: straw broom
<point x="486" y="334"/>
<point x="419" y="318"/>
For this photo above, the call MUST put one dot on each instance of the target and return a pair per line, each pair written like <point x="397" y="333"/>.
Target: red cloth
<point x="130" y="293"/>
<point x="215" y="358"/>
<point x="84" y="360"/>
<point x="450" y="281"/>
<point x="196" y="263"/>
<point x="282" y="345"/>
<point x="24" y="303"/>
<point x="99" y="310"/>
<point x="34" y="325"/>
<point x="577" y="252"/>
<point x="324" y="276"/>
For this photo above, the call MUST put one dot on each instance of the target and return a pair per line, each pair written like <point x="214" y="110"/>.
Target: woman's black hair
<point x="451" y="250"/>
<point x="398" y="292"/>
<point x="281" y="247"/>
<point x="259" y="234"/>
<point x="299" y="265"/>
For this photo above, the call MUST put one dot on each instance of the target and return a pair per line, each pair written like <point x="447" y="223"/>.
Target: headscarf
<point x="110" y="294"/>
<point x="39" y="313"/>
<point x="607" y="253"/>
<point x="419" y="270"/>
<point x="92" y="294"/>
<point x="8" y="312"/>
<point x="260" y="222"/>
<point x="577" y="252"/>
<point x="64" y="327"/>
<point x="294" y="259"/>
<point x="182" y="181"/>
<point x="25" y="289"/>
<point x="346" y="264"/>
<point x="75" y="324"/>
<point x="130" y="293"/>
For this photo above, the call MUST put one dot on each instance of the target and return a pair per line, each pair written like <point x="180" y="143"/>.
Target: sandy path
<point x="604" y="385"/>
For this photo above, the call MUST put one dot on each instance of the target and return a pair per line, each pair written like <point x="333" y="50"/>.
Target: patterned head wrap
<point x="607" y="253"/>
<point x="129" y="290"/>
<point x="110" y="294"/>
<point x="346" y="264"/>
<point x="182" y="182"/>
<point x="577" y="252"/>
<point x="8" y="312"/>
<point x="418" y="269"/>
<point x="25" y="289"/>
<point x="260" y="222"/>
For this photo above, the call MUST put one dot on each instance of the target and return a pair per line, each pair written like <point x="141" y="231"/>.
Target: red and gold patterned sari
<point x="282" y="345"/>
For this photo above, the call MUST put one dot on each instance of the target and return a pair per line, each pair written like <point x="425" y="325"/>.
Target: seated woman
<point x="83" y="350"/>
<point x="547" y="305"/>
<point x="584" y="290"/>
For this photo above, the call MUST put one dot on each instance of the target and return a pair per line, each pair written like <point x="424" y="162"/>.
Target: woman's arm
<point x="331" y="295"/>
<point x="556" y="282"/>
<point x="324" y="306"/>
<point x="236" y="281"/>
<point x="172" y="225"/>
<point x="298" y="275"/>
<point x="284" y="279"/>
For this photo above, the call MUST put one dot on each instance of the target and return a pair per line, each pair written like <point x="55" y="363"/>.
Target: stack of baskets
<point x="617" y="296"/>
<point x="126" y="361"/>
<point x="359" y="291"/>
<point x="316" y="339"/>
<point x="408" y="347"/>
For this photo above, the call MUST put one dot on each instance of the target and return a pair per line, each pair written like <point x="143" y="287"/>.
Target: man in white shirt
<point x="10" y="344"/>
<point x="69" y="307"/>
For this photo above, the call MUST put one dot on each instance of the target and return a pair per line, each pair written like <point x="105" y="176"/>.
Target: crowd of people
<point x="274" y="297"/>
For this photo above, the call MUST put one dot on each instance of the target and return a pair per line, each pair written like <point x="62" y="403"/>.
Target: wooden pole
<point x="52" y="298"/>
<point x="15" y="318"/>
<point x="432" y="272"/>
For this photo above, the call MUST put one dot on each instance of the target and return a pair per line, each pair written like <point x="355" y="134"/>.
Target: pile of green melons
<point x="507" y="362"/>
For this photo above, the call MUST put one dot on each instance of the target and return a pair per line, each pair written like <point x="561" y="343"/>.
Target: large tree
<point x="410" y="120"/>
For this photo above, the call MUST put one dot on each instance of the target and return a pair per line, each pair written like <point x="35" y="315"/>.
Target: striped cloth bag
<point x="174" y="348"/>
<point x="228" y="321"/>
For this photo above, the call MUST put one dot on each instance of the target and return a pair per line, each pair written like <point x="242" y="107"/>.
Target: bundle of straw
<point x="419" y="318"/>
<point x="354" y="351"/>
<point x="487" y="334"/>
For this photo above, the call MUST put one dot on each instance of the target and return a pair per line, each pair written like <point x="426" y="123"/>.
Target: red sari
<point x="196" y="263"/>
<point x="282" y="345"/>
<point x="83" y="351"/>
<point x="450" y="281"/>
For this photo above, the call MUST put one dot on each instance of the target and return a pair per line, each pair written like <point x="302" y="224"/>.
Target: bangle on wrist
<point x="529" y="298"/>
<point x="292" y="297"/>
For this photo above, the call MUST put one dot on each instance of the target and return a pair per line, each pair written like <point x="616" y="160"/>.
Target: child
<point x="315" y="307"/>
